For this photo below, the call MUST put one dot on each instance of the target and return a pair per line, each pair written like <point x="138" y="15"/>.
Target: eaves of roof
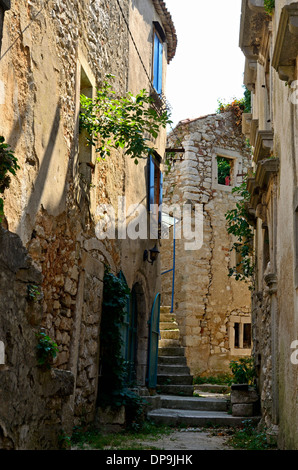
<point x="168" y="26"/>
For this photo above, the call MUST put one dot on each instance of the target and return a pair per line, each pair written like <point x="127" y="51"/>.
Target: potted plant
<point x="243" y="373"/>
<point x="244" y="397"/>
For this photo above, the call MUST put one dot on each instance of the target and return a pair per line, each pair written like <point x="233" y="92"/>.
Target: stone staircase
<point x="175" y="404"/>
<point x="173" y="375"/>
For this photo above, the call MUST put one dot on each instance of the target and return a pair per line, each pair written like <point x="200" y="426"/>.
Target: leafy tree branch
<point x="128" y="122"/>
<point x="238" y="226"/>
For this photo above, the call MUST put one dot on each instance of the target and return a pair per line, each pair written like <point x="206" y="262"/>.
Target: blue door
<point x="153" y="343"/>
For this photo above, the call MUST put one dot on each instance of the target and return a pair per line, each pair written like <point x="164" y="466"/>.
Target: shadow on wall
<point x="27" y="221"/>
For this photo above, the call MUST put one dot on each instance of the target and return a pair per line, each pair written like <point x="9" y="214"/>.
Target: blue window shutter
<point x="151" y="182"/>
<point x="157" y="64"/>
<point x="159" y="90"/>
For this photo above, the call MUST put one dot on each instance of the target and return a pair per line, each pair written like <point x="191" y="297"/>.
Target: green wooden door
<point x="129" y="334"/>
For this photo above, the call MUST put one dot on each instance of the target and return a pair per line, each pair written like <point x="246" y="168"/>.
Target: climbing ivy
<point x="237" y="225"/>
<point x="127" y="122"/>
<point x="8" y="164"/>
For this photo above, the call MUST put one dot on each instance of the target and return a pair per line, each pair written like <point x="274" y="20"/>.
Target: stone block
<point x="242" y="396"/>
<point x="243" y="409"/>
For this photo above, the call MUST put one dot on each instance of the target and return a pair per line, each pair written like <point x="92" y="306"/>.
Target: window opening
<point x="224" y="171"/>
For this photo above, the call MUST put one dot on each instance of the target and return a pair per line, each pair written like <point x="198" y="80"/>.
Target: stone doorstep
<point x="195" y="418"/>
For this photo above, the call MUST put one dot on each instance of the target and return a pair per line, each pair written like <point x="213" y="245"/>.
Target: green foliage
<point x="247" y="100"/>
<point x="46" y="349"/>
<point x="8" y="164"/>
<point x="243" y="371"/>
<point x="33" y="292"/>
<point x="269" y="6"/>
<point x="121" y="123"/>
<point x="223" y="169"/>
<point x="237" y="106"/>
<point x="237" y="225"/>
<point x="113" y="390"/>
<point x="249" y="437"/>
<point x="220" y="379"/>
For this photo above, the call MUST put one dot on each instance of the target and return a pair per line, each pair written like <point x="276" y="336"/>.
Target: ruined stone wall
<point x="207" y="301"/>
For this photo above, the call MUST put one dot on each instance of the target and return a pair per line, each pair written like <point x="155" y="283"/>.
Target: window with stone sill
<point x="240" y="338"/>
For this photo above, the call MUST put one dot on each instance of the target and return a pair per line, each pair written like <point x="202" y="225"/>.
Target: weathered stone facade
<point x="35" y="404"/>
<point x="270" y="45"/>
<point x="53" y="52"/>
<point x="207" y="302"/>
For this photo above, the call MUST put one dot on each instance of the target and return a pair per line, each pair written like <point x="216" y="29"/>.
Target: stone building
<point x="212" y="309"/>
<point x="269" y="41"/>
<point x="51" y="53"/>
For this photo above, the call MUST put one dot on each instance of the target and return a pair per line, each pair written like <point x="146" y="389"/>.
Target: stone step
<point x="180" y="390"/>
<point x="165" y="309"/>
<point x="174" y="379"/>
<point x="172" y="360"/>
<point x="168" y="343"/>
<point x="167" y="317"/>
<point x="168" y="325"/>
<point x="172" y="369"/>
<point x="198" y="418"/>
<point x="194" y="403"/>
<point x="170" y="334"/>
<point x="170" y="351"/>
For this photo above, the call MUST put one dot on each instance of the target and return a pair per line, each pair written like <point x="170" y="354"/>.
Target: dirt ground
<point x="190" y="439"/>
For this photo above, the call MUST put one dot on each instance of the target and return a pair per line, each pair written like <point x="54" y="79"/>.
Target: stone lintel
<point x="286" y="44"/>
<point x="263" y="145"/>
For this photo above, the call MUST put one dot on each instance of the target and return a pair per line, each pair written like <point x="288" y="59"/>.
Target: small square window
<point x="224" y="171"/>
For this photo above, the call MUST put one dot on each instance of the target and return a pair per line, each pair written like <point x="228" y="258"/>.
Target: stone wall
<point x="271" y="127"/>
<point x="35" y="405"/>
<point x="207" y="301"/>
<point x="53" y="51"/>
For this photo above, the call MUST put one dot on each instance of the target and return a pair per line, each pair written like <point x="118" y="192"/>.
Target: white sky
<point x="208" y="64"/>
